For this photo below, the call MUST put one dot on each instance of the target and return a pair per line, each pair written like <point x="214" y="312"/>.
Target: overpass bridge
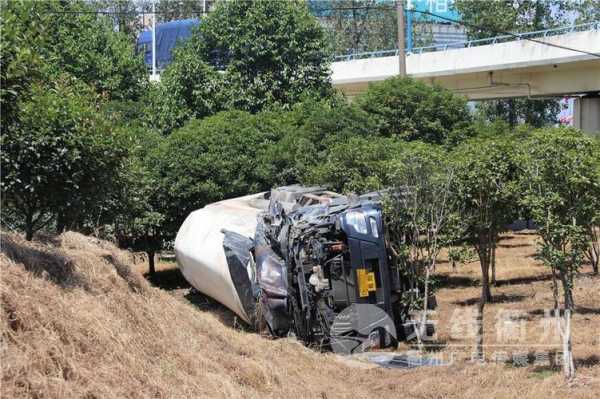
<point x="495" y="68"/>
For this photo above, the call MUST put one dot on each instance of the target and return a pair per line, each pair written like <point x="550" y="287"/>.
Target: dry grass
<point x="523" y="288"/>
<point x="79" y="321"/>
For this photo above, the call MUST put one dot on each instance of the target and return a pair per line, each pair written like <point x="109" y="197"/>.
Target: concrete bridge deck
<point x="519" y="68"/>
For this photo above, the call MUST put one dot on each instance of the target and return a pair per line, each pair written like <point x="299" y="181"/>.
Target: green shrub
<point x="59" y="157"/>
<point x="413" y="110"/>
<point x="359" y="164"/>
<point x="209" y="160"/>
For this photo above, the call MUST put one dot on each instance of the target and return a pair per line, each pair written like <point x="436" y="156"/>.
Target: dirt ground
<point x="519" y="321"/>
<point x="79" y="321"/>
<point x="520" y="335"/>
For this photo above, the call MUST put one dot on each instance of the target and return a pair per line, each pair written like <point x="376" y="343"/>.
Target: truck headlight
<point x="357" y="220"/>
<point x="374" y="230"/>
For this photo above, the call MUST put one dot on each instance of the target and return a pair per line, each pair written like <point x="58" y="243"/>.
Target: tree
<point x="269" y="53"/>
<point x="561" y="182"/>
<point x="460" y="254"/>
<point x="357" y="26"/>
<point x="412" y="110"/>
<point x="585" y="10"/>
<point x="492" y="18"/>
<point x="234" y="153"/>
<point x="53" y="37"/>
<point x="124" y="14"/>
<point x="189" y="88"/>
<point x="310" y="131"/>
<point x="20" y="63"/>
<point x="86" y="46"/>
<point x="209" y="160"/>
<point x="59" y="157"/>
<point x="534" y="112"/>
<point x="134" y="215"/>
<point x="170" y="10"/>
<point x="138" y="216"/>
<point x="486" y="176"/>
<point x="359" y="165"/>
<point x="421" y="215"/>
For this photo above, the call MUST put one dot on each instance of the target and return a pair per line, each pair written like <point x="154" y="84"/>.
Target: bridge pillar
<point x="586" y="114"/>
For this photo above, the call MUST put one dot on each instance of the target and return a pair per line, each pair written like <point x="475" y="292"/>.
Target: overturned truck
<point x="289" y="261"/>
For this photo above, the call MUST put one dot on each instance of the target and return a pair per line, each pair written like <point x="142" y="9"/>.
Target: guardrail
<point x="473" y="43"/>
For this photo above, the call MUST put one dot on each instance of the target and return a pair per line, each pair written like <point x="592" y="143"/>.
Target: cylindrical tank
<point x="199" y="246"/>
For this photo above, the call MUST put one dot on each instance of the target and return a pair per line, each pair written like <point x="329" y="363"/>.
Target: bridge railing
<point x="473" y="43"/>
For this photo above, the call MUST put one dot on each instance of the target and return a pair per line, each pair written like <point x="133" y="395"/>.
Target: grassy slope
<point x="79" y="321"/>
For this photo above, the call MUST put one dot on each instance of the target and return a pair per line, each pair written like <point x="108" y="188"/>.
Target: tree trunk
<point x="479" y="321"/>
<point x="422" y="329"/>
<point x="486" y="294"/>
<point x="483" y="252"/>
<point x="151" y="268"/>
<point x="493" y="262"/>
<point x="555" y="290"/>
<point x="568" y="292"/>
<point x="29" y="232"/>
<point x="593" y="252"/>
<point x="29" y="226"/>
<point x="484" y="260"/>
<point x="60" y="223"/>
<point x="568" y="365"/>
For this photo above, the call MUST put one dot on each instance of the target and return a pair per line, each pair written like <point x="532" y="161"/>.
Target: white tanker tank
<point x="200" y="251"/>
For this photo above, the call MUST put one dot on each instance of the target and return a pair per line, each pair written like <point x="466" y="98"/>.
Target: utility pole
<point x="153" y="40"/>
<point x="401" y="39"/>
<point x="409" y="20"/>
<point x="204" y="8"/>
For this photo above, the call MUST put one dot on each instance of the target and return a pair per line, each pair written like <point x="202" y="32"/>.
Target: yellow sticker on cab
<point x="366" y="282"/>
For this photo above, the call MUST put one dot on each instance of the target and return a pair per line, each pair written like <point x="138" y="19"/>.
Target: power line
<point x="122" y="13"/>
